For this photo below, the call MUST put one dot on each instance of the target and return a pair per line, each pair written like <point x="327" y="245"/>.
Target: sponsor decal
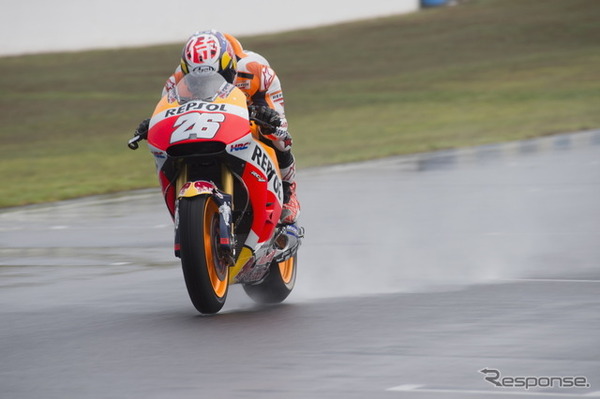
<point x="267" y="258"/>
<point x="203" y="68"/>
<point x="160" y="157"/>
<point x="225" y="210"/>
<point x="262" y="159"/>
<point x="199" y="187"/>
<point x="239" y="147"/>
<point x="258" y="177"/>
<point x="277" y="97"/>
<point x="243" y="85"/>
<point x="159" y="154"/>
<point x="226" y="91"/>
<point x="196" y="106"/>
<point x="202" y="106"/>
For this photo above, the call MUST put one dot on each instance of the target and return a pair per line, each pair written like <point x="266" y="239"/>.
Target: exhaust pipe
<point x="287" y="241"/>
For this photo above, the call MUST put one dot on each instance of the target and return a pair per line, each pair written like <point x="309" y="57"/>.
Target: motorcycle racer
<point x="251" y="73"/>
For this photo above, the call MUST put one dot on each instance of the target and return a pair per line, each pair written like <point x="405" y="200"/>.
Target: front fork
<point x="223" y="199"/>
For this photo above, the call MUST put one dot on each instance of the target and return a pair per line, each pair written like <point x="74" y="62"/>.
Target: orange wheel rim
<point x="286" y="268"/>
<point x="219" y="281"/>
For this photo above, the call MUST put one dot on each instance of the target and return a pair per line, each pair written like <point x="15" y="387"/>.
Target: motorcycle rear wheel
<point x="276" y="287"/>
<point x="206" y="273"/>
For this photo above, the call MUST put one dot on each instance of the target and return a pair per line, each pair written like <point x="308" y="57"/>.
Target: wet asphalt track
<point x="416" y="273"/>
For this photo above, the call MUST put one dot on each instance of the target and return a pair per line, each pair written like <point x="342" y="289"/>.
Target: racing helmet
<point x="209" y="51"/>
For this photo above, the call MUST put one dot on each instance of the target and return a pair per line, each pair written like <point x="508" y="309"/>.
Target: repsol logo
<point x="195" y="106"/>
<point x="264" y="162"/>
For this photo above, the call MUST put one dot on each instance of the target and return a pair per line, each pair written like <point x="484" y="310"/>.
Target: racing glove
<point x="268" y="119"/>
<point x="142" y="129"/>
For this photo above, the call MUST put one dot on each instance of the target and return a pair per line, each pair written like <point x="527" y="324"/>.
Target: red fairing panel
<point x="264" y="201"/>
<point x="263" y="180"/>
<point x="168" y="193"/>
<point x="198" y="121"/>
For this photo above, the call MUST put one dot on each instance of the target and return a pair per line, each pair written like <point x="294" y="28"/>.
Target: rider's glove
<point x="142" y="129"/>
<point x="268" y="119"/>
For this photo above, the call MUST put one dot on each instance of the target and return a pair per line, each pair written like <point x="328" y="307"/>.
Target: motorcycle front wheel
<point x="205" y="271"/>
<point x="278" y="284"/>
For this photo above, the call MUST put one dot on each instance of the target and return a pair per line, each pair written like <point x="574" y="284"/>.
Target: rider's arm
<point x="172" y="81"/>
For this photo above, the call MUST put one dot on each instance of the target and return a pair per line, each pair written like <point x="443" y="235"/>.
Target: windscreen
<point x="204" y="86"/>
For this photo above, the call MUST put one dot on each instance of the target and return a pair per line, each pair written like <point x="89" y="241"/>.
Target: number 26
<point x="202" y="126"/>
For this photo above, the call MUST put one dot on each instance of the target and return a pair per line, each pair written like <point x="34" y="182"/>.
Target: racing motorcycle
<point x="223" y="188"/>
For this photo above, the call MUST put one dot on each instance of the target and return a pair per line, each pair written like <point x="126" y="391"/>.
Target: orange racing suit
<point x="259" y="82"/>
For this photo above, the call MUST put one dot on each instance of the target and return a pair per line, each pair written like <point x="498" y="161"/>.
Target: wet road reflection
<point x="416" y="271"/>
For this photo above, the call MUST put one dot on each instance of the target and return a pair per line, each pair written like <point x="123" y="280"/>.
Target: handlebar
<point x="133" y="142"/>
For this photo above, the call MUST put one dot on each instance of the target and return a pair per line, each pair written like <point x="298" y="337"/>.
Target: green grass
<point x="485" y="71"/>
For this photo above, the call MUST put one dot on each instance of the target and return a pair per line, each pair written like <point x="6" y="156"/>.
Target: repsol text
<point x="261" y="158"/>
<point x="195" y="106"/>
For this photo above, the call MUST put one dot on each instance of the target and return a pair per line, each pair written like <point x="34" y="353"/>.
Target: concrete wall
<point x="46" y="26"/>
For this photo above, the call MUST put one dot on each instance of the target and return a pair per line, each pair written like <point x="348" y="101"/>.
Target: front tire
<point x="206" y="273"/>
<point x="278" y="284"/>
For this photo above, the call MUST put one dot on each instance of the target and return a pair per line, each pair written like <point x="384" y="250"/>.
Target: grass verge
<point x="485" y="71"/>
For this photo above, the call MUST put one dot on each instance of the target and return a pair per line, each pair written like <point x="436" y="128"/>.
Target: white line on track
<point x="549" y="280"/>
<point x="422" y="389"/>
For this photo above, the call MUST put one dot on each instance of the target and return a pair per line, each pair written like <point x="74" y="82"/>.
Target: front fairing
<point x="203" y="124"/>
<point x="202" y="107"/>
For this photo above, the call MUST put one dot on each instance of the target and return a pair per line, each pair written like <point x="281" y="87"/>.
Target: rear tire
<point x="278" y="284"/>
<point x="206" y="274"/>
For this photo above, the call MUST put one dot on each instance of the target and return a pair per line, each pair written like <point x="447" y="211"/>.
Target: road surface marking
<point x="422" y="389"/>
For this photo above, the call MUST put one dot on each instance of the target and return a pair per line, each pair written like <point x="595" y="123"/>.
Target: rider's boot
<point x="291" y="205"/>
